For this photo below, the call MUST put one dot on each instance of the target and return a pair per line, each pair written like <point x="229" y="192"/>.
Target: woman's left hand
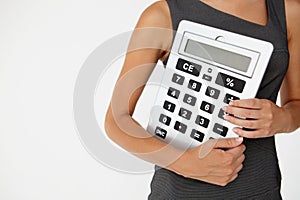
<point x="261" y="116"/>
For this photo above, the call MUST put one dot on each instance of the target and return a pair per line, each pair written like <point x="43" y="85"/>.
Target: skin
<point x="224" y="160"/>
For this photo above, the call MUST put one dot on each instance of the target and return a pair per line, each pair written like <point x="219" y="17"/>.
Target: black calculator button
<point x="202" y="121"/>
<point x="178" y="79"/>
<point x="206" y="77"/>
<point x="212" y="92"/>
<point x="230" y="82"/>
<point x="229" y="97"/>
<point x="221" y="114"/>
<point x="188" y="67"/>
<point x="194" y="85"/>
<point x="160" y="132"/>
<point x="185" y="113"/>
<point x="180" y="127"/>
<point x="189" y="99"/>
<point x="169" y="106"/>
<point x="207" y="107"/>
<point x="197" y="135"/>
<point x="221" y="130"/>
<point x="172" y="92"/>
<point x="164" y="119"/>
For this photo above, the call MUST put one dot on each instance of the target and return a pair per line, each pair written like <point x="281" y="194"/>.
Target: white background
<point x="42" y="47"/>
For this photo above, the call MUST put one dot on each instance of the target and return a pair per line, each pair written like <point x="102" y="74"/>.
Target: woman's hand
<point x="220" y="164"/>
<point x="261" y="116"/>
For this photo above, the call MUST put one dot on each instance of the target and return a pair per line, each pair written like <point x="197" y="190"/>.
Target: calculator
<point x="207" y="68"/>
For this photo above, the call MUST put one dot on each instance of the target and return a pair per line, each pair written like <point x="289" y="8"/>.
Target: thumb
<point x="228" y="143"/>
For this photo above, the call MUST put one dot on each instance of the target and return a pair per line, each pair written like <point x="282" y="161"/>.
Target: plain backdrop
<point x="43" y="45"/>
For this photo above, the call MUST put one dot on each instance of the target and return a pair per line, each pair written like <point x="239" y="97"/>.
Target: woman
<point x="244" y="168"/>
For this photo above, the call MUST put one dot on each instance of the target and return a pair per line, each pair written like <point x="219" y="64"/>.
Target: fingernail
<point x="231" y="103"/>
<point x="225" y="108"/>
<point x="239" y="139"/>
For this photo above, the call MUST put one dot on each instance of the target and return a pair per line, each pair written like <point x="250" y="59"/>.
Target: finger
<point x="237" y="151"/>
<point x="247" y="103"/>
<point x="228" y="143"/>
<point x="248" y="134"/>
<point x="246" y="123"/>
<point x="243" y="112"/>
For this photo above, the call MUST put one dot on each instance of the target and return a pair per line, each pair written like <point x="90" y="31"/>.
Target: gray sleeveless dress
<point x="260" y="177"/>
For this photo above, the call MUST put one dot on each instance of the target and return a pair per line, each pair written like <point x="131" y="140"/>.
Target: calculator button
<point x="172" y="92"/>
<point x="169" y="106"/>
<point x="194" y="85"/>
<point x="189" y="99"/>
<point x="221" y="114"/>
<point x="197" y="135"/>
<point x="221" y="130"/>
<point x="230" y="82"/>
<point x="180" y="127"/>
<point x="209" y="70"/>
<point x="207" y="107"/>
<point x="178" y="79"/>
<point x="212" y="92"/>
<point x="202" y="121"/>
<point x="188" y="67"/>
<point x="160" y="132"/>
<point x="228" y="98"/>
<point x="211" y="138"/>
<point x="206" y="77"/>
<point x="165" y="119"/>
<point x="185" y="113"/>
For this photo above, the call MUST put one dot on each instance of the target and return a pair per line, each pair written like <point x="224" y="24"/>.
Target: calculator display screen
<point x="218" y="55"/>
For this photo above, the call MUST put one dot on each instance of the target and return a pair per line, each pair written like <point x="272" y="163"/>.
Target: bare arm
<point x="219" y="166"/>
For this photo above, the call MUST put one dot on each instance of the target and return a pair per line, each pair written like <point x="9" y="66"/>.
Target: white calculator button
<point x="169" y="106"/>
<point x="202" y="121"/>
<point x="189" y="99"/>
<point x="209" y="70"/>
<point x="197" y="135"/>
<point x="230" y="82"/>
<point x="207" y="77"/>
<point x="188" y="67"/>
<point x="185" y="113"/>
<point x="229" y="97"/>
<point x="178" y="79"/>
<point x="221" y="130"/>
<point x="194" y="85"/>
<point x="164" y="119"/>
<point x="207" y="107"/>
<point x="160" y="132"/>
<point x="180" y="127"/>
<point x="172" y="92"/>
<point x="212" y="92"/>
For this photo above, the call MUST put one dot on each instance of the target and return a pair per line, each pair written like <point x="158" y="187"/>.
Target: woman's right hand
<point x="219" y="166"/>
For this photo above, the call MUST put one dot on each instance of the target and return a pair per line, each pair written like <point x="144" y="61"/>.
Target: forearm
<point x="125" y="132"/>
<point x="292" y="109"/>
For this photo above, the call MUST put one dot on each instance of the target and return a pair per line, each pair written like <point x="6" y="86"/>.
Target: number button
<point x="189" y="99"/>
<point x="185" y="113"/>
<point x="169" y="106"/>
<point x="207" y="107"/>
<point x="194" y="85"/>
<point x="180" y="127"/>
<point x="172" y="92"/>
<point x="221" y="130"/>
<point x="230" y="82"/>
<point x="178" y="79"/>
<point x="228" y="98"/>
<point x="202" y="121"/>
<point x="197" y="135"/>
<point x="188" y="67"/>
<point x="160" y="132"/>
<point x="165" y="119"/>
<point x="212" y="92"/>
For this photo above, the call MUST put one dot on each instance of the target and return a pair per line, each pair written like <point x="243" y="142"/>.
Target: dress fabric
<point x="260" y="178"/>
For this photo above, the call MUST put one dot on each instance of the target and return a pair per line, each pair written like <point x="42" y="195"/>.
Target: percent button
<point x="230" y="82"/>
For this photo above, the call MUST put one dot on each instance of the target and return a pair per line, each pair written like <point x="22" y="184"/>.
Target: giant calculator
<point x="207" y="68"/>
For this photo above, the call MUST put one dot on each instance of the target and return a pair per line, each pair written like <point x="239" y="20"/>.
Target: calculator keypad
<point x="190" y="102"/>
